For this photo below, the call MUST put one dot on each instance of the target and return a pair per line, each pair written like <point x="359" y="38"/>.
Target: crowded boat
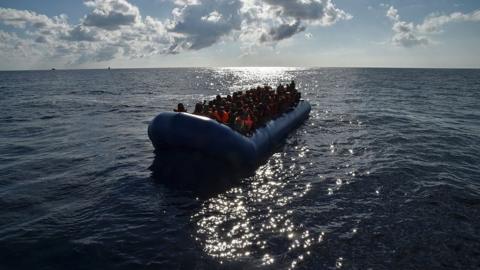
<point x="249" y="110"/>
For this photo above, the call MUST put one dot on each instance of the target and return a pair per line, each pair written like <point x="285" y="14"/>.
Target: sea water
<point x="385" y="174"/>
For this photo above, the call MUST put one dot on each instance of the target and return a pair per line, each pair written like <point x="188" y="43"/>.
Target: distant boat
<point x="53" y="69"/>
<point x="108" y="68"/>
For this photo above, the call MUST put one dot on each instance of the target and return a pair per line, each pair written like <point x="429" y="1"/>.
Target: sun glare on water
<point x="242" y="77"/>
<point x="252" y="223"/>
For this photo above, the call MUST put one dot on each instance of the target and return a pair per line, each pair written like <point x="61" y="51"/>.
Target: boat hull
<point x="185" y="132"/>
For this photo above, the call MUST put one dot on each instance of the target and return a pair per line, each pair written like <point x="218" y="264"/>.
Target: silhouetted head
<point x="180" y="107"/>
<point x="198" y="108"/>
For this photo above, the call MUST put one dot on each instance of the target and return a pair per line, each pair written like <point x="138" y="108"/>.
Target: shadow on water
<point x="204" y="176"/>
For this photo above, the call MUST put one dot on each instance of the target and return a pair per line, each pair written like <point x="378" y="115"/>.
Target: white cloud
<point x="214" y="16"/>
<point x="322" y="12"/>
<point x="284" y="18"/>
<point x="267" y="22"/>
<point x="116" y="29"/>
<point x="111" y="14"/>
<point x="15" y="48"/>
<point x="392" y="13"/>
<point x="113" y="28"/>
<point x="407" y="34"/>
<point x="199" y="25"/>
<point x="25" y="18"/>
<point x="81" y="33"/>
<point x="434" y="23"/>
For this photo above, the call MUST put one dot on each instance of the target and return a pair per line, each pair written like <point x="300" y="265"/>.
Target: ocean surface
<point x="385" y="174"/>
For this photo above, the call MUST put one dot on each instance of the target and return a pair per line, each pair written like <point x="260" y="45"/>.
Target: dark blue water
<point x="384" y="175"/>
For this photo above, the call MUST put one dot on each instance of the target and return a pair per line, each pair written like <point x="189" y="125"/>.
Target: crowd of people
<point x="249" y="110"/>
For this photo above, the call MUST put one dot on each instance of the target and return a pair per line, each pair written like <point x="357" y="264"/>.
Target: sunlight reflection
<point x="339" y="263"/>
<point x="242" y="78"/>
<point x="254" y="221"/>
<point x="257" y="72"/>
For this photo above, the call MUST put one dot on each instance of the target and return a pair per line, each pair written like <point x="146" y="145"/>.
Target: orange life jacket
<point x="214" y="115"/>
<point x="224" y="117"/>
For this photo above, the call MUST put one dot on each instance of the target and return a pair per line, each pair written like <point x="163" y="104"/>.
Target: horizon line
<point x="239" y="67"/>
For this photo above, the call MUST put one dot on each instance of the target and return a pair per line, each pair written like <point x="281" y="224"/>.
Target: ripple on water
<point x="384" y="173"/>
<point x="254" y="222"/>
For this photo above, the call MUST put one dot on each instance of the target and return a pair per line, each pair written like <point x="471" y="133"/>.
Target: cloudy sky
<point x="168" y="33"/>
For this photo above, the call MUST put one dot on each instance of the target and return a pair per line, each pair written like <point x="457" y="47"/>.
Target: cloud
<point x="41" y="39"/>
<point x="25" y="18"/>
<point x="282" y="31"/>
<point x="112" y="28"/>
<point x="116" y="28"/>
<point x="392" y="13"/>
<point x="12" y="46"/>
<point x="284" y="18"/>
<point x="434" y="23"/>
<point x="407" y="34"/>
<point x="201" y="24"/>
<point x="101" y="54"/>
<point x="81" y="33"/>
<point x="322" y="12"/>
<point x="111" y="14"/>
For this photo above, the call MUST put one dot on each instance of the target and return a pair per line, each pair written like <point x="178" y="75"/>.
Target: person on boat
<point x="198" y="109"/>
<point x="262" y="114"/>
<point x="219" y="101"/>
<point x="213" y="113"/>
<point x="248" y="122"/>
<point x="231" y="119"/>
<point x="222" y="116"/>
<point x="291" y="85"/>
<point x="243" y="122"/>
<point x="251" y="109"/>
<point x="239" y="123"/>
<point x="180" y="108"/>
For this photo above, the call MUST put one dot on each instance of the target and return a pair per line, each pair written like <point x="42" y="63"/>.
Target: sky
<point x="212" y="33"/>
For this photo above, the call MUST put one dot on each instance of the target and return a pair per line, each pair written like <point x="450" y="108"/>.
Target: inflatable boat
<point x="172" y="133"/>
